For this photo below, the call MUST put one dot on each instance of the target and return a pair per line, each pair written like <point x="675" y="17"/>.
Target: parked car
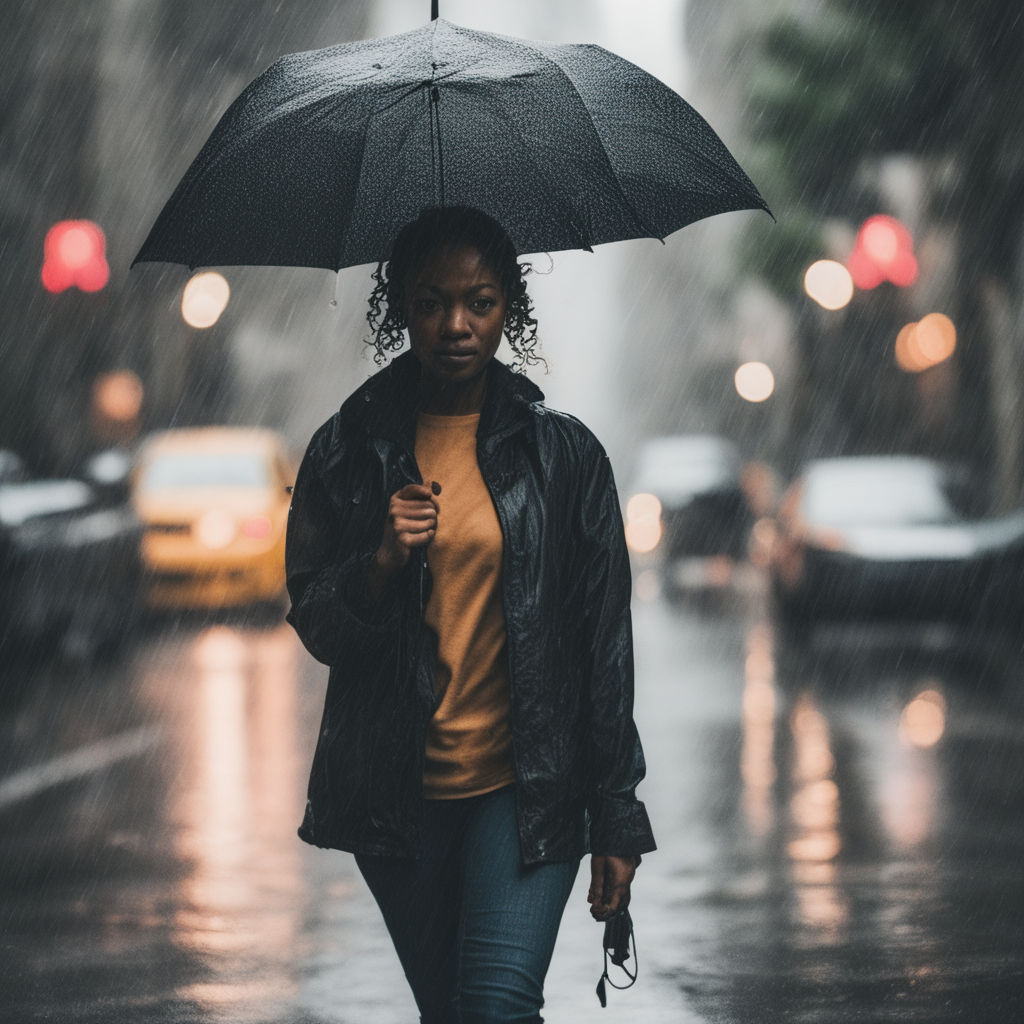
<point x="214" y="501"/>
<point x="888" y="537"/>
<point x="688" y="499"/>
<point x="69" y="558"/>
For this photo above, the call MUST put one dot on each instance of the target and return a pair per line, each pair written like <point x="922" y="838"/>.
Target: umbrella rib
<point x="436" y="151"/>
<point x="342" y="234"/>
<point x="434" y="99"/>
<point x="641" y="223"/>
<point x="364" y="139"/>
<point x="410" y="91"/>
<point x="545" y="58"/>
<point x="414" y="88"/>
<point x="581" y="238"/>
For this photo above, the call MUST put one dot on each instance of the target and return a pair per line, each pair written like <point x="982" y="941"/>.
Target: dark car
<point x="688" y="499"/>
<point x="889" y="537"/>
<point x="69" y="559"/>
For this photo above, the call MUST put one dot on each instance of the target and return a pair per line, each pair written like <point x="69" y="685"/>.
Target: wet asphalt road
<point x="841" y="833"/>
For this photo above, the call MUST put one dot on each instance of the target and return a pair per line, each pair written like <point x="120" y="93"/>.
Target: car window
<point x="205" y="469"/>
<point x="874" y="495"/>
<point x="692" y="464"/>
<point x="12" y="469"/>
<point x="21" y="502"/>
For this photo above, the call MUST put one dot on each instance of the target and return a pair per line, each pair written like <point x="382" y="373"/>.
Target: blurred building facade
<point x="107" y="103"/>
<point x="700" y="316"/>
<point x="854" y="109"/>
<point x="104" y="105"/>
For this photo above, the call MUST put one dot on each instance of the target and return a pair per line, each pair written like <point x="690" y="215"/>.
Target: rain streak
<point x="813" y="416"/>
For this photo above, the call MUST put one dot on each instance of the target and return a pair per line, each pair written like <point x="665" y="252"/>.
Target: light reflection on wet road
<point x="840" y="829"/>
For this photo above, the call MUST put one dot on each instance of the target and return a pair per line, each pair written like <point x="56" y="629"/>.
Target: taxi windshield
<point x="204" y="469"/>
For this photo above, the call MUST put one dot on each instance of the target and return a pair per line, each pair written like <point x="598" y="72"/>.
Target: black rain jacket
<point x="566" y="592"/>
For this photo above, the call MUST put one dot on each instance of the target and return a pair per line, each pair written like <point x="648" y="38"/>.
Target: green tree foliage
<point x="938" y="80"/>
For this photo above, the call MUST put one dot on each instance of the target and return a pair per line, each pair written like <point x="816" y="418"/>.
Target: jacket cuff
<point x="620" y="828"/>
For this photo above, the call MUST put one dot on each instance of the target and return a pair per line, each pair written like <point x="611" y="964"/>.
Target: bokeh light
<point x="755" y="382"/>
<point x="884" y="251"/>
<point x="257" y="528"/>
<point x="118" y="396"/>
<point x="74" y="256"/>
<point x="936" y="337"/>
<point x="882" y="239"/>
<point x="908" y="356"/>
<point x="643" y="506"/>
<point x="643" y="523"/>
<point x="924" y="719"/>
<point x="204" y="299"/>
<point x="216" y="529"/>
<point x="864" y="273"/>
<point x="829" y="283"/>
<point x="926" y="343"/>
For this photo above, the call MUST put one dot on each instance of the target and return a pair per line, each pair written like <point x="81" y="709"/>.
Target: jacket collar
<point x="385" y="406"/>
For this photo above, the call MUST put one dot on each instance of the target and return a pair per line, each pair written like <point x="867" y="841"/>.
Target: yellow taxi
<point x="214" y="503"/>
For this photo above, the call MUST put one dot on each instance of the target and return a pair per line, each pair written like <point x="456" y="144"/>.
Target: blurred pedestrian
<point x="456" y="556"/>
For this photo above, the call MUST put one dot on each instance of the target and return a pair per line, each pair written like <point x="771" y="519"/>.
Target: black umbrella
<point x="328" y="153"/>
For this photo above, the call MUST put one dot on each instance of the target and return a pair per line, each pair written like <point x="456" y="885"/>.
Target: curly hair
<point x="443" y="227"/>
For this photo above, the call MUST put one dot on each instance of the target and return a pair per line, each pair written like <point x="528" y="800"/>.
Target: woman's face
<point x="455" y="311"/>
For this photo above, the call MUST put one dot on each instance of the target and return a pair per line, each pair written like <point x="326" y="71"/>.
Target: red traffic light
<point x="884" y="251"/>
<point x="75" y="255"/>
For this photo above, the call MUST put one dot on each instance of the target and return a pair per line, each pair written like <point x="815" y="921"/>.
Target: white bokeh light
<point x="204" y="299"/>
<point x="755" y="382"/>
<point x="829" y="283"/>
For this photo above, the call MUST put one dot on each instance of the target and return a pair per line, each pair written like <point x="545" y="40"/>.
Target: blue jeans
<point x="473" y="928"/>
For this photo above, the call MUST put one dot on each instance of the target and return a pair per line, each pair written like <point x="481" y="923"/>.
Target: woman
<point x="455" y="555"/>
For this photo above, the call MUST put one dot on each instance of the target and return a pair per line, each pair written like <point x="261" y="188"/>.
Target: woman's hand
<point x="610" y="879"/>
<point x="411" y="523"/>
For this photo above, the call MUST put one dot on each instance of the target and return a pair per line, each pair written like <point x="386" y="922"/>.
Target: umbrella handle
<point x="433" y="10"/>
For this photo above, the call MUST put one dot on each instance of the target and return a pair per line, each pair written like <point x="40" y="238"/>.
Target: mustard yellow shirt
<point x="469" y="744"/>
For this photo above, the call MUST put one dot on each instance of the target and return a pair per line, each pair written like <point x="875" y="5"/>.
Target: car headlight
<point x="216" y="529"/>
<point x="257" y="527"/>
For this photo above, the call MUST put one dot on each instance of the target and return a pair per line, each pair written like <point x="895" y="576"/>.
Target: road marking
<point x="83" y="761"/>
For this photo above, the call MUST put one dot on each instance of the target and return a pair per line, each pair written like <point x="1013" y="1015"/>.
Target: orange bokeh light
<point x="118" y="396"/>
<point x="936" y="337"/>
<point x="923" y="721"/>
<point x="926" y="343"/>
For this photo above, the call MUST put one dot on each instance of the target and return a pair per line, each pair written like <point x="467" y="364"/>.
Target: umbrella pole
<point x="433" y="10"/>
<point x="436" y="151"/>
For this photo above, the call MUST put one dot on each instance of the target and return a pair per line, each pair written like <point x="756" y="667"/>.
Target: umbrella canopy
<point x="328" y="153"/>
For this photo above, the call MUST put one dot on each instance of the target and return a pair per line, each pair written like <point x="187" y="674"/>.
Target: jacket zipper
<point x="505" y="576"/>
